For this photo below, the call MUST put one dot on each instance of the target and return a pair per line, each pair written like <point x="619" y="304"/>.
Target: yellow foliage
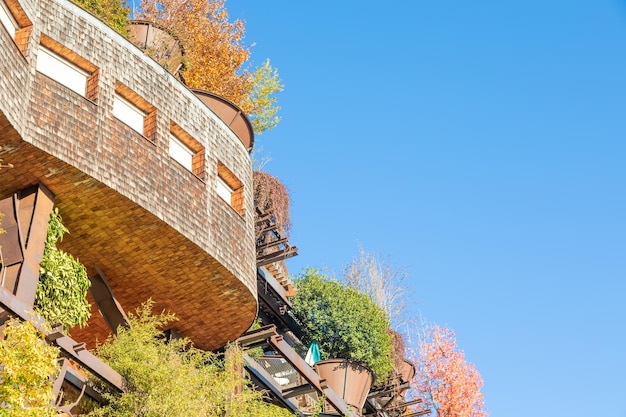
<point x="26" y="367"/>
<point x="213" y="45"/>
<point x="216" y="57"/>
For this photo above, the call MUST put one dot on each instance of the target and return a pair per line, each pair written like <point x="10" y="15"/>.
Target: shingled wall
<point x="121" y="193"/>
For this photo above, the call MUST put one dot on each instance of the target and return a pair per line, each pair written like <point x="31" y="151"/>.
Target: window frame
<point x="188" y="142"/>
<point x="236" y="200"/>
<point x="19" y="21"/>
<point x="126" y="112"/>
<point x="183" y="150"/>
<point x="7" y="18"/>
<point x="224" y="190"/>
<point x="59" y="69"/>
<point x="133" y="101"/>
<point x="71" y="60"/>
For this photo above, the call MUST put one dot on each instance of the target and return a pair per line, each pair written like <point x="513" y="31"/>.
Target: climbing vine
<point x="61" y="295"/>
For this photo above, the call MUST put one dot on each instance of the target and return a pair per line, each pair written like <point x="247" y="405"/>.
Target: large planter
<point x="407" y="371"/>
<point x="350" y="380"/>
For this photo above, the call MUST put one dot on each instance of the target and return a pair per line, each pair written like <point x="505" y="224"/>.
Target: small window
<point x="127" y="113"/>
<point x="181" y="153"/>
<point x="7" y="19"/>
<point x="229" y="188"/>
<point x="134" y="111"/>
<point x="16" y="23"/>
<point x="187" y="151"/>
<point x="62" y="71"/>
<point x="224" y="190"/>
<point x="66" y="67"/>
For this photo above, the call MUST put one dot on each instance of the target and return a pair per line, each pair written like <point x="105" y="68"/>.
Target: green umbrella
<point x="313" y="354"/>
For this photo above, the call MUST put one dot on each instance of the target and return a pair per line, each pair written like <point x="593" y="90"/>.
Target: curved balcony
<point x="154" y="225"/>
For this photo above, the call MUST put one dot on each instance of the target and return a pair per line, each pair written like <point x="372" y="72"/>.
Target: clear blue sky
<point x="481" y="146"/>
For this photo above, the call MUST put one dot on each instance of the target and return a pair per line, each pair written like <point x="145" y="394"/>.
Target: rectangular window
<point x="134" y="111"/>
<point x="181" y="153"/>
<point x="229" y="188"/>
<point x="128" y="113"/>
<point x="224" y="191"/>
<point x="16" y="23"/>
<point x="7" y="19"/>
<point x="62" y="71"/>
<point x="187" y="151"/>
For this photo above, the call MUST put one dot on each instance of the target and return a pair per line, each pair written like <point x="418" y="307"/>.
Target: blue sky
<point x="480" y="146"/>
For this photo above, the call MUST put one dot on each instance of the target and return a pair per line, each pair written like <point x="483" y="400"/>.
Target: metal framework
<point x="270" y="245"/>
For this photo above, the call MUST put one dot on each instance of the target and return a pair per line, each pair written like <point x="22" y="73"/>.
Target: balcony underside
<point x="141" y="256"/>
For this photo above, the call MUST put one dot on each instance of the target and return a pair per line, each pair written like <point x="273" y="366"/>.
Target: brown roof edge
<point x="230" y="114"/>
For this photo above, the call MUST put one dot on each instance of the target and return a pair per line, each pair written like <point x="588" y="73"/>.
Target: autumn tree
<point x="216" y="58"/>
<point x="27" y="365"/>
<point x="449" y="384"/>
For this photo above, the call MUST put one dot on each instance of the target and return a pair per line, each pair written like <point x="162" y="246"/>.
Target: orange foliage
<point x="445" y="379"/>
<point x="213" y="45"/>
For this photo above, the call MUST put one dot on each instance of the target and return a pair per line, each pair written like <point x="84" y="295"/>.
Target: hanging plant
<point x="271" y="196"/>
<point x="61" y="295"/>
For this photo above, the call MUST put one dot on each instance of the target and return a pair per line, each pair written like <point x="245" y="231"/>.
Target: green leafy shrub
<point x="111" y="12"/>
<point x="26" y="367"/>
<point x="344" y="322"/>
<point x="61" y="295"/>
<point x="172" y="378"/>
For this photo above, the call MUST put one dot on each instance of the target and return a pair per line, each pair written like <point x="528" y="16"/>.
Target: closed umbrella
<point x="313" y="354"/>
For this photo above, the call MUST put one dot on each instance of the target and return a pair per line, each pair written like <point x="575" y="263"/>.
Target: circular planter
<point x="350" y="380"/>
<point x="407" y="371"/>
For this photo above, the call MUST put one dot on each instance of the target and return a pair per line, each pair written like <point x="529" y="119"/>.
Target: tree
<point x="261" y="103"/>
<point x="345" y="323"/>
<point x="371" y="275"/>
<point x="216" y="56"/>
<point x="172" y="378"/>
<point x="27" y="364"/>
<point x="112" y="12"/>
<point x="444" y="378"/>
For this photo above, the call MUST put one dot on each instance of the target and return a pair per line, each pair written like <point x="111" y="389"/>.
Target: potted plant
<point x="352" y="333"/>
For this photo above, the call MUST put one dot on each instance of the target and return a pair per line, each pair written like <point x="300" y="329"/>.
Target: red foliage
<point x="271" y="196"/>
<point x="399" y="350"/>
<point x="445" y="379"/>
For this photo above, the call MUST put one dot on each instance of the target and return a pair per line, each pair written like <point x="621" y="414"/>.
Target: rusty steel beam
<point x="107" y="304"/>
<point x="253" y="337"/>
<point x="69" y="346"/>
<point x="395" y="389"/>
<point x="406" y="404"/>
<point x="299" y="390"/>
<point x="26" y="218"/>
<point x="417" y="413"/>
<point x="280" y="255"/>
<point x="35" y="206"/>
<point x="309" y="374"/>
<point x="272" y="243"/>
<point x="268" y="334"/>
